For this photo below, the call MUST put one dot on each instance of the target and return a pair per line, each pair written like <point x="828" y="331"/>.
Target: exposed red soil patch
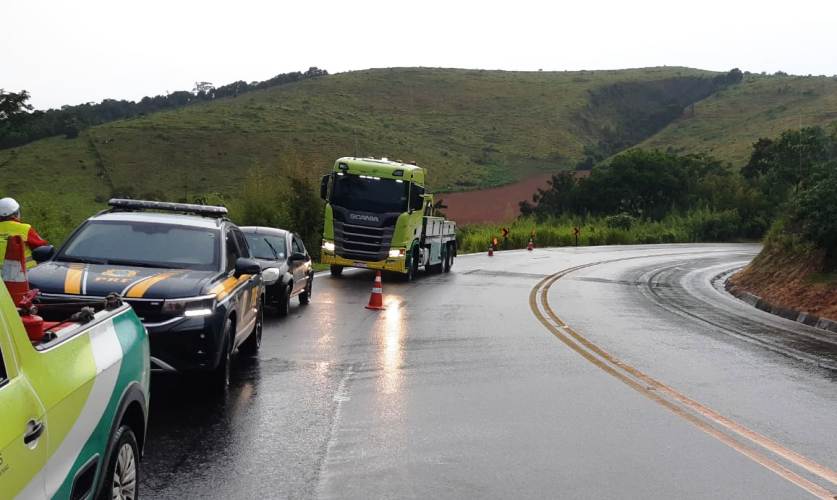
<point x="493" y="205"/>
<point x="785" y="280"/>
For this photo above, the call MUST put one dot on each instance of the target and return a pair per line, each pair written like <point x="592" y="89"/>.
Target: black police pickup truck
<point x="185" y="269"/>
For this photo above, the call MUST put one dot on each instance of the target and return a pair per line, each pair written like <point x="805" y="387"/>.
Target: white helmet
<point x="9" y="207"/>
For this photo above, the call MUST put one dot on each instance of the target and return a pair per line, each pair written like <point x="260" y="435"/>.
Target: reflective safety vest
<point x="14" y="228"/>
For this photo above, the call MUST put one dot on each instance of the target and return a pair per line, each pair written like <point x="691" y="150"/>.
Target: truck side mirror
<point x="427" y="202"/>
<point x="324" y="187"/>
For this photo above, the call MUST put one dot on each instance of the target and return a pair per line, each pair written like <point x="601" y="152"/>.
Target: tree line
<point x="19" y="124"/>
<point x="790" y="180"/>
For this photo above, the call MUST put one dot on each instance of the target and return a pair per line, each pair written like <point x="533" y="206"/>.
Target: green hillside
<point x="471" y="128"/>
<point x="726" y="124"/>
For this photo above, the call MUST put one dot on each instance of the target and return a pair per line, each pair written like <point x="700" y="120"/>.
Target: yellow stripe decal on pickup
<point x="72" y="281"/>
<point x="138" y="291"/>
<point x="224" y="288"/>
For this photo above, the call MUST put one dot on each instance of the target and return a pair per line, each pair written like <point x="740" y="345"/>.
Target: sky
<point x="70" y="52"/>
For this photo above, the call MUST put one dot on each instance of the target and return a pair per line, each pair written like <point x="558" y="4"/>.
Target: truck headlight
<point x="394" y="253"/>
<point x="191" y="308"/>
<point x="328" y="246"/>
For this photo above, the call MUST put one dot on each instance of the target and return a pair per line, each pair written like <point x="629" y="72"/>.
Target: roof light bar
<point x="204" y="210"/>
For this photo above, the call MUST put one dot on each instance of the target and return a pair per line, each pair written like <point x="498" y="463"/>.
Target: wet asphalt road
<point x="471" y="385"/>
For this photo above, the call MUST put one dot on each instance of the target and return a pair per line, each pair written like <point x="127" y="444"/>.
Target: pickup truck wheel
<point x="221" y="374"/>
<point x="336" y="271"/>
<point x="251" y="346"/>
<point x="305" y="296"/>
<point x="284" y="304"/>
<point x="122" y="473"/>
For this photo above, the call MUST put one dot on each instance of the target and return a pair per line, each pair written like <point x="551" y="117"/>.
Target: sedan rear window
<point x="266" y="246"/>
<point x="144" y="244"/>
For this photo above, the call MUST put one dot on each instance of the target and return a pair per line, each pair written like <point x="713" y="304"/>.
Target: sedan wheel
<point x="284" y="305"/>
<point x="305" y="296"/>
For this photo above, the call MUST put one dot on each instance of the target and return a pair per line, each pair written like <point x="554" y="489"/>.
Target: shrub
<point x="697" y="225"/>
<point x="706" y="225"/>
<point x="622" y="220"/>
<point x="814" y="210"/>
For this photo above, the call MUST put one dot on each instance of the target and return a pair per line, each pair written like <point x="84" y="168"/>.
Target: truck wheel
<point x="121" y="479"/>
<point x="250" y="347"/>
<point x="448" y="258"/>
<point x="336" y="271"/>
<point x="305" y="296"/>
<point x="284" y="304"/>
<point x="412" y="270"/>
<point x="221" y="374"/>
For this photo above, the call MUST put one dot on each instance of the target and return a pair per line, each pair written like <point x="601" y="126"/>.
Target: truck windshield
<point x="369" y="194"/>
<point x="144" y="244"/>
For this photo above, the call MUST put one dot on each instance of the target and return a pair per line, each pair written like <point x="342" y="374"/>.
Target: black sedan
<point x="284" y="251"/>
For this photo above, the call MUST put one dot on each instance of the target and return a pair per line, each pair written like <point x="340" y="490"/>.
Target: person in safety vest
<point x="10" y="225"/>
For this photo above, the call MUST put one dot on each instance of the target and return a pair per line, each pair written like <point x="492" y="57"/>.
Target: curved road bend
<point x="566" y="373"/>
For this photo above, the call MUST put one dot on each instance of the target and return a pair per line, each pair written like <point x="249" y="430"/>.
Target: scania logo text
<point x="366" y="218"/>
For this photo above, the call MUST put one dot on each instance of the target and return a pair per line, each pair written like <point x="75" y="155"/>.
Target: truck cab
<point x="379" y="215"/>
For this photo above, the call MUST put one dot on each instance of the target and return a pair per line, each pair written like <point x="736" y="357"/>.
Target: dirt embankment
<point x="802" y="282"/>
<point x="494" y="205"/>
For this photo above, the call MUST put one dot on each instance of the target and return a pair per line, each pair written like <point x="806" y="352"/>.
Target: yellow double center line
<point x="701" y="416"/>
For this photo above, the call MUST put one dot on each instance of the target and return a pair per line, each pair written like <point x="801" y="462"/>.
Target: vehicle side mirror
<point x="43" y="253"/>
<point x="270" y="275"/>
<point x="297" y="256"/>
<point x="246" y="266"/>
<point x="324" y="187"/>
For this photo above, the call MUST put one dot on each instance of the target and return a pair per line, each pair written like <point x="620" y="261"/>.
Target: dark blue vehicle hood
<point x="99" y="280"/>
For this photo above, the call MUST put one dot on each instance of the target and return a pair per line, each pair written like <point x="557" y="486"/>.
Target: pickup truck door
<point x="23" y="432"/>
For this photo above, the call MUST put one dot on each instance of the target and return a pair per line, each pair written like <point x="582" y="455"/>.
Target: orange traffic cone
<point x="491" y="250"/>
<point x="17" y="282"/>
<point x="531" y="245"/>
<point x="14" y="270"/>
<point x="376" y="300"/>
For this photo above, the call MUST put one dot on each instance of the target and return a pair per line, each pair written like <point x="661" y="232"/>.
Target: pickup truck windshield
<point x="144" y="244"/>
<point x="368" y="194"/>
<point x="266" y="246"/>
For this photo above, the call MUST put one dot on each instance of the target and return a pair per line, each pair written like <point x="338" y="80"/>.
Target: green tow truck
<point x="378" y="215"/>
<point x="73" y="401"/>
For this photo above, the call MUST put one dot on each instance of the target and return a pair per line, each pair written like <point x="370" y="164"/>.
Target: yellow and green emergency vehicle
<point x="73" y="404"/>
<point x="378" y="215"/>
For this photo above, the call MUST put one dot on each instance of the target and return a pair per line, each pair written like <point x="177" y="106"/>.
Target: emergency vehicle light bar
<point x="204" y="210"/>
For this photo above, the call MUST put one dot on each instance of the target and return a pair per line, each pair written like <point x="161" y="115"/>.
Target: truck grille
<point x="362" y="242"/>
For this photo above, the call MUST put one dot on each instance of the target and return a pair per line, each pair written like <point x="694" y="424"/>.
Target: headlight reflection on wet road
<point x="391" y="346"/>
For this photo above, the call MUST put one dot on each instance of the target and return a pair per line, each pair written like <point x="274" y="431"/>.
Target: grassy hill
<point x="726" y="124"/>
<point x="471" y="128"/>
